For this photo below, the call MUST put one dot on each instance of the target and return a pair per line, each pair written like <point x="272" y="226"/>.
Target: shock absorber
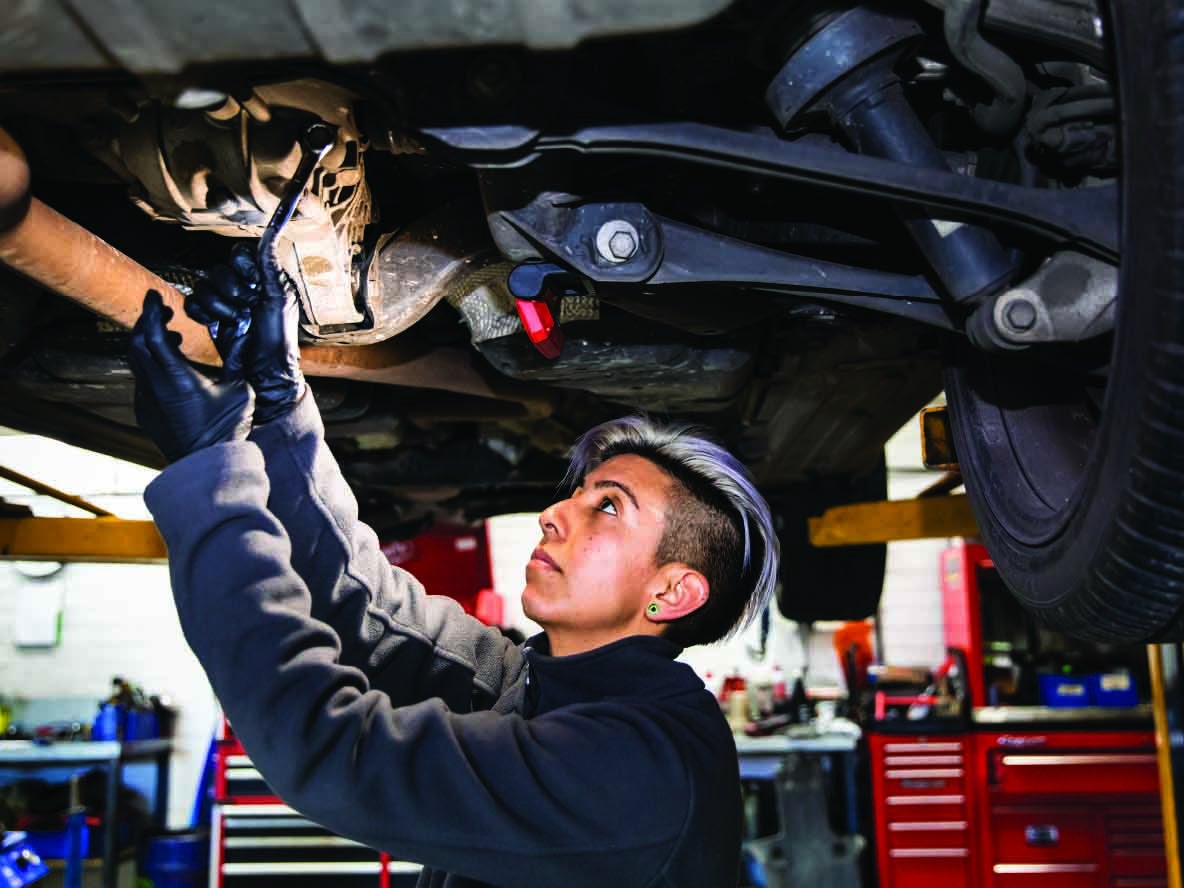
<point x="847" y="69"/>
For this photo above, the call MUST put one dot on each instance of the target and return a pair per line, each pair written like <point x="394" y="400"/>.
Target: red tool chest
<point x="1068" y="808"/>
<point x="1010" y="796"/>
<point x="989" y="809"/>
<point x="922" y="803"/>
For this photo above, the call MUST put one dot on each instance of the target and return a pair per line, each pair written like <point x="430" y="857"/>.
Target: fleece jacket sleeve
<point x="388" y="627"/>
<point x="587" y="795"/>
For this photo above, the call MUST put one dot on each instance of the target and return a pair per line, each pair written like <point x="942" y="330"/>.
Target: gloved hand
<point x="267" y="350"/>
<point x="181" y="409"/>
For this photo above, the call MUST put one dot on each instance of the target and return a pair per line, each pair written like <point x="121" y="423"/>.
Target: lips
<point x="540" y="555"/>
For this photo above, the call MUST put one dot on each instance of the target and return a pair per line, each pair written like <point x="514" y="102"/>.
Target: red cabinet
<point x="987" y="809"/>
<point x="923" y="835"/>
<point x="1073" y="808"/>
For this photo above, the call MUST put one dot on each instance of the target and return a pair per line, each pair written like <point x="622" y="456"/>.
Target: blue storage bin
<point x="140" y="724"/>
<point x="1064" y="691"/>
<point x="178" y="860"/>
<point x="55" y="844"/>
<point x="1113" y="689"/>
<point x="109" y="722"/>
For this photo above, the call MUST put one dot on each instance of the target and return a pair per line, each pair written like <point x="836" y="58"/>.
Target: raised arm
<point x="336" y="555"/>
<point x="410" y="645"/>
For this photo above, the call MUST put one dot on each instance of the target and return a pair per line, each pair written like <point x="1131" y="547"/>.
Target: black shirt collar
<point x="638" y="666"/>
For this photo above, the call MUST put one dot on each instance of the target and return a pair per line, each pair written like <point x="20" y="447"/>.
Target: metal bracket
<point x="1071" y="298"/>
<point x="1086" y="218"/>
<point x="670" y="253"/>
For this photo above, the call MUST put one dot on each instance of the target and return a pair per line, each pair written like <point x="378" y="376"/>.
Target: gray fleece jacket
<point x="393" y="718"/>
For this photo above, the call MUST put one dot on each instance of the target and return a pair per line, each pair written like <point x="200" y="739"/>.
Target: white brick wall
<point x="118" y="619"/>
<point x="910" y="609"/>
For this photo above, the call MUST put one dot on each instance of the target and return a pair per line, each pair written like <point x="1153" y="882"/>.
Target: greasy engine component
<point x="671" y="377"/>
<point x="444" y="254"/>
<point x="487" y="306"/>
<point x="220" y="164"/>
<point x="667" y="376"/>
<point x="66" y="258"/>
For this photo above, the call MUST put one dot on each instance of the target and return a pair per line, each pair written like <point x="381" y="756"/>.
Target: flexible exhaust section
<point x="63" y="256"/>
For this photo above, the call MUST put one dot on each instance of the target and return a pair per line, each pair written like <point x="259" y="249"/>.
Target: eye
<point x="607" y="505"/>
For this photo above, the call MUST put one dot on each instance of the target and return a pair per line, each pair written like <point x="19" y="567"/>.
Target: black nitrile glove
<point x="267" y="348"/>
<point x="181" y="409"/>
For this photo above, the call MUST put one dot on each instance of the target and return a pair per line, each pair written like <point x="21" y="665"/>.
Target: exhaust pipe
<point x="63" y="256"/>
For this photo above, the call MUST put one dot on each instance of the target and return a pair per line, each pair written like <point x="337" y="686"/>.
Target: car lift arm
<point x="80" y="539"/>
<point x="102" y="538"/>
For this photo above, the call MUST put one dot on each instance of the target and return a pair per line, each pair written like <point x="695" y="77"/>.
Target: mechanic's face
<point x="594" y="572"/>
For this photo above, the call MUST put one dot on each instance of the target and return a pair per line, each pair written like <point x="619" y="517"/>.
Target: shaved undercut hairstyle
<point x="716" y="522"/>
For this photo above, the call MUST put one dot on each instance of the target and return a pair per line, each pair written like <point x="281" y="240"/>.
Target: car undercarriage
<point x="790" y="223"/>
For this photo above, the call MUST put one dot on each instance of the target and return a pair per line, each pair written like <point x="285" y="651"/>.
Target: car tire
<point x="1080" y="500"/>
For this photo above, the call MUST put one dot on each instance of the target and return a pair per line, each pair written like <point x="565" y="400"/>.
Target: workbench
<point x="815" y="839"/>
<point x="110" y="756"/>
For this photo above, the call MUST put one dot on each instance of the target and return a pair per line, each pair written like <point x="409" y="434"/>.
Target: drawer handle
<point x="1013" y="761"/>
<point x="1042" y="835"/>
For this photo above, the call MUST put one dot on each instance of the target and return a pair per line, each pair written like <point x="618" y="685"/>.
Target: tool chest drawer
<point x="1047" y="875"/>
<point x="932" y="808"/>
<point x="929" y="834"/>
<point x="1044" y="835"/>
<point x="928" y="868"/>
<point x="925" y="782"/>
<point x="1135" y="840"/>
<point x="238" y="778"/>
<point x="1069" y="773"/>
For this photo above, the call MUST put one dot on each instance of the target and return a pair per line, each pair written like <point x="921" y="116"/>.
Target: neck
<point x="564" y="643"/>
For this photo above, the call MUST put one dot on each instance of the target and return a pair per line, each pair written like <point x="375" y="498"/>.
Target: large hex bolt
<point x="1021" y="315"/>
<point x="617" y="241"/>
<point x="847" y="70"/>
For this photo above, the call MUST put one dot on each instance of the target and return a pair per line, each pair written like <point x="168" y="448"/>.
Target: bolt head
<point x="1021" y="315"/>
<point x="617" y="241"/>
<point x="622" y="245"/>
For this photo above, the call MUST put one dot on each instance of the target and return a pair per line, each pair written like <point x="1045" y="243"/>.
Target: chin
<point x="533" y="607"/>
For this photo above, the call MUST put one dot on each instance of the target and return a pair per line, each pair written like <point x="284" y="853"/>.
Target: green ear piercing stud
<point x="653" y="608"/>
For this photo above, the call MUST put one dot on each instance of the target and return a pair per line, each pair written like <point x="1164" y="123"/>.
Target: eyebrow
<point x="617" y="484"/>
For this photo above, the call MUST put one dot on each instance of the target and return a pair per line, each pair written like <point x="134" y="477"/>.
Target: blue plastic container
<point x="1064" y="691"/>
<point x="56" y="844"/>
<point x="109" y="723"/>
<point x="140" y="724"/>
<point x="1113" y="689"/>
<point x="178" y="860"/>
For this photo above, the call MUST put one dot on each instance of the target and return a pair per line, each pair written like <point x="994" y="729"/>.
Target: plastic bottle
<point x="737" y="711"/>
<point x="780" y="693"/>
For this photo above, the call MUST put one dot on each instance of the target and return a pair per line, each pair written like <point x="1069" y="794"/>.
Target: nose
<point x="551" y="520"/>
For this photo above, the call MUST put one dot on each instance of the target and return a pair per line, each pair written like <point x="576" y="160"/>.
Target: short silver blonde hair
<point x="715" y="478"/>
